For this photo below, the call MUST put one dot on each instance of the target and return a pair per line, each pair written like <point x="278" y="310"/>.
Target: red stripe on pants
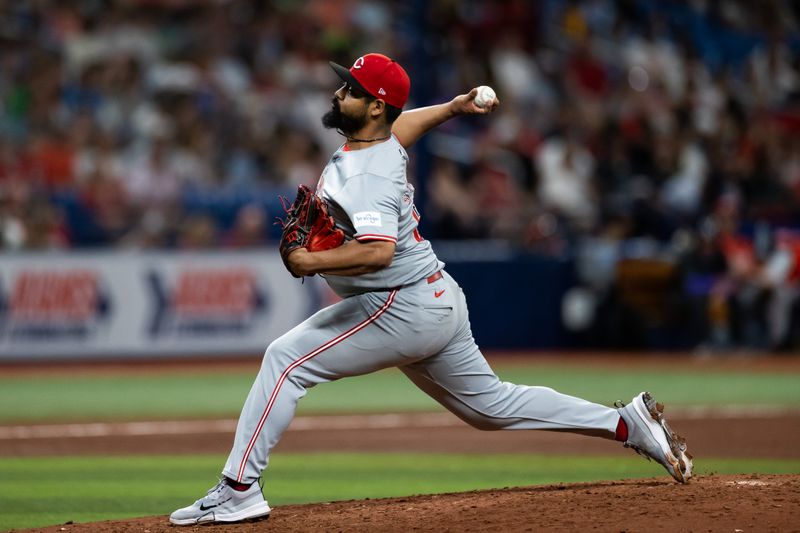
<point x="310" y="355"/>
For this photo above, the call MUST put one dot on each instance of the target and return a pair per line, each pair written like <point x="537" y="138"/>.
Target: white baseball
<point x="485" y="96"/>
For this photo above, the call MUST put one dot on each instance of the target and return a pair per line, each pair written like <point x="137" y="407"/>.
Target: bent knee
<point x="279" y="352"/>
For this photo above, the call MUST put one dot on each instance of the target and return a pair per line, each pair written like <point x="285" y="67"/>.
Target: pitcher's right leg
<point x="470" y="389"/>
<point x="459" y="378"/>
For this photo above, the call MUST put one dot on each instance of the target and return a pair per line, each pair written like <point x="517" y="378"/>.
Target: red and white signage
<point x="108" y="304"/>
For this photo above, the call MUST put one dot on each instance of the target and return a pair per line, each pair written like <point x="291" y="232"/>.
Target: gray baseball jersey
<point x="411" y="315"/>
<point x="370" y="199"/>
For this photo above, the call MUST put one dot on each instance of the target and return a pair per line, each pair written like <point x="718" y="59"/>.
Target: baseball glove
<point x="308" y="225"/>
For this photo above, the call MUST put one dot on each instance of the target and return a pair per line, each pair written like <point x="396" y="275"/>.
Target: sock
<point x="622" y="431"/>
<point x="241" y="487"/>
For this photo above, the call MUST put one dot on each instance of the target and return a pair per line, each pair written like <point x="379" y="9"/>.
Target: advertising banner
<point x="114" y="304"/>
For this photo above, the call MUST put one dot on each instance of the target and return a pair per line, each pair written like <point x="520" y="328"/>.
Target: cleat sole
<point x="681" y="460"/>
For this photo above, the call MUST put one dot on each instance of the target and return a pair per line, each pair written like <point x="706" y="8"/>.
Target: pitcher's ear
<point x="377" y="107"/>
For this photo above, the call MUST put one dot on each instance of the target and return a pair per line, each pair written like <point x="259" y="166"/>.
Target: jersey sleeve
<point x="373" y="207"/>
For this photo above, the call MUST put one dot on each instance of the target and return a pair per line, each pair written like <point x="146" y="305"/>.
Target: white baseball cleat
<point x="650" y="436"/>
<point x="223" y="504"/>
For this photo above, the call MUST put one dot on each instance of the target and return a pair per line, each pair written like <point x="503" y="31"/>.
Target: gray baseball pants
<point x="424" y="330"/>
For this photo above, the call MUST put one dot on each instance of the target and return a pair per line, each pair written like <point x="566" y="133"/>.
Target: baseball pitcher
<point x="399" y="307"/>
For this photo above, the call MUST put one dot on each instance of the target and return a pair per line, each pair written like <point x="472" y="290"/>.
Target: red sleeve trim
<point x="374" y="237"/>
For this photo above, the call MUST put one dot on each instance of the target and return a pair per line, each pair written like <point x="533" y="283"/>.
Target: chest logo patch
<point x="367" y="218"/>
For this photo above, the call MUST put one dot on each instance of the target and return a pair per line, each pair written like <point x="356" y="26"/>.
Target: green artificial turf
<point x="84" y="489"/>
<point x="221" y="394"/>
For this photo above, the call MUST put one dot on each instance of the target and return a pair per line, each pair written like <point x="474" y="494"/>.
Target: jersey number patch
<point x="415" y="214"/>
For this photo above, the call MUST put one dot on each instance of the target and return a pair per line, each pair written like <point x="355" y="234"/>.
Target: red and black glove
<point x="308" y="225"/>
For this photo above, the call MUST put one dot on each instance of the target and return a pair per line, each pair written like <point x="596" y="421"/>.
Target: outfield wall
<point x="154" y="304"/>
<point x="109" y="304"/>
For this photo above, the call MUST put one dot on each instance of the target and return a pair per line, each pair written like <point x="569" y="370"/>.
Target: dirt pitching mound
<point x="709" y="503"/>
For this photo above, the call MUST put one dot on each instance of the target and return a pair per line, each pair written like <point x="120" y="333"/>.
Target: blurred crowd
<point x="656" y="143"/>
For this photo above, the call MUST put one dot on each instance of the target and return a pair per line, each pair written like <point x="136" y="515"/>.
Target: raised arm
<point x="414" y="123"/>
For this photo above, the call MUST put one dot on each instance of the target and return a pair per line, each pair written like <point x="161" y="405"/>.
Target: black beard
<point x="335" y="119"/>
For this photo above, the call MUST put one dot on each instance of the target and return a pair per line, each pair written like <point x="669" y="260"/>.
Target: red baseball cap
<point x="378" y="75"/>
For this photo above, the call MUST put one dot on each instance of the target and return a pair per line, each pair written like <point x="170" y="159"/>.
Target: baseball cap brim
<point x="346" y="76"/>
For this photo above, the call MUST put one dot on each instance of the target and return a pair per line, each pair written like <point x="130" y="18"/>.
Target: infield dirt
<point x="709" y="503"/>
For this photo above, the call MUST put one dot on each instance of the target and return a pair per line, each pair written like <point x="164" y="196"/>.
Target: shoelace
<point x="216" y="489"/>
<point x="223" y="482"/>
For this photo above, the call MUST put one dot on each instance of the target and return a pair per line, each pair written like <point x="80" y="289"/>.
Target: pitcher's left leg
<point x="325" y="347"/>
<point x="355" y="336"/>
<point x="336" y="342"/>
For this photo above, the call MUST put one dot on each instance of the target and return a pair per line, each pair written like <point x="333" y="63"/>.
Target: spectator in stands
<point x="566" y="180"/>
<point x="249" y="229"/>
<point x="197" y="232"/>
<point x="152" y="178"/>
<point x="127" y="119"/>
<point x="780" y="279"/>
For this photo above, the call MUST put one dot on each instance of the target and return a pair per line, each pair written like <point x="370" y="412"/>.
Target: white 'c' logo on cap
<point x="359" y="62"/>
